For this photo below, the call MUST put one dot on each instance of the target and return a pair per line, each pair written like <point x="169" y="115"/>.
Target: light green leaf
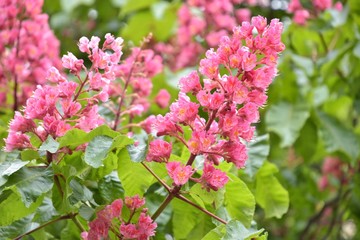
<point x="12" y="208"/>
<point x="185" y="218"/>
<point x="270" y="194"/>
<point x="29" y="154"/>
<point x="31" y="183"/>
<point x="45" y="212"/>
<point x="130" y="5"/>
<point x="258" y="153"/>
<point x="338" y="138"/>
<point x="16" y="228"/>
<point x="239" y="201"/>
<point x="97" y="150"/>
<point x="205" y="196"/>
<point x="69" y="5"/>
<point x="133" y="176"/>
<point x="50" y="145"/>
<point x="236" y="230"/>
<point x="216" y="234"/>
<point x="286" y="120"/>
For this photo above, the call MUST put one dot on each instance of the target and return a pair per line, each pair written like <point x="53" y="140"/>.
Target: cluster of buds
<point x="28" y="48"/>
<point x="217" y="20"/>
<point x="110" y="219"/>
<point x="301" y="14"/>
<point x="231" y="102"/>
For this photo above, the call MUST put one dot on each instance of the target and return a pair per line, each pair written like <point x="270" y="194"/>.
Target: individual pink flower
<point x="179" y="173"/>
<point x="70" y="62"/>
<point x="159" y="151"/>
<point x="129" y="231"/>
<point x="17" y="140"/>
<point x="134" y="202"/>
<point x="301" y="16"/>
<point x="116" y="207"/>
<point x="190" y="83"/>
<point x="21" y="124"/>
<point x="234" y="152"/>
<point x="146" y="226"/>
<point x="213" y="178"/>
<point x="162" y="98"/>
<point x="163" y="125"/>
<point x="183" y="110"/>
<point x="322" y="4"/>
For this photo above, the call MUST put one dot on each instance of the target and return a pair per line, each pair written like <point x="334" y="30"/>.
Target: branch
<point x="157" y="177"/>
<point x="68" y="216"/>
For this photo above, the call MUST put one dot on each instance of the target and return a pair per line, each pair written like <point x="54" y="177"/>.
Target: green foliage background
<point x="312" y="113"/>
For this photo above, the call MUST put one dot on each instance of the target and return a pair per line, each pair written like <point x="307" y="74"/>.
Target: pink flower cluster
<point x="231" y="101"/>
<point x="301" y="15"/>
<point x="28" y="48"/>
<point x="68" y="104"/>
<point x="59" y="108"/>
<point x="217" y="20"/>
<point x="105" y="221"/>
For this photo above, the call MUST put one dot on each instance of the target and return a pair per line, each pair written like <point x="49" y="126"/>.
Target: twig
<point x="181" y="197"/>
<point x="156" y="176"/>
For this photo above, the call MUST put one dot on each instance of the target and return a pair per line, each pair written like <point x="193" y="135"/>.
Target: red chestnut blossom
<point x="231" y="101"/>
<point x="213" y="178"/>
<point x="159" y="151"/>
<point x="179" y="173"/>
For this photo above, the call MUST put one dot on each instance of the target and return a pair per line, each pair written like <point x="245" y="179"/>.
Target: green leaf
<point x="9" y="167"/>
<point x="307" y="142"/>
<point x="338" y="138"/>
<point x="236" y="230"/>
<point x="131" y="6"/>
<point x="16" y="228"/>
<point x="133" y="176"/>
<point x="258" y="153"/>
<point x="239" y="201"/>
<point x="216" y="234"/>
<point x="29" y="154"/>
<point x="50" y="145"/>
<point x="185" y="218"/>
<point x="12" y="208"/>
<point x="80" y="193"/>
<point x="287" y="120"/>
<point x="270" y="194"/>
<point x="110" y="188"/>
<point x="76" y="137"/>
<point x="97" y="150"/>
<point x="45" y="212"/>
<point x="137" y="153"/>
<point x="205" y="196"/>
<point x="31" y="183"/>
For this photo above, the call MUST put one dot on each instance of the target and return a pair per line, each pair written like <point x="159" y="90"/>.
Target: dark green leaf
<point x="97" y="150"/>
<point x="137" y="153"/>
<point x="110" y="188"/>
<point x="31" y="183"/>
<point x="9" y="167"/>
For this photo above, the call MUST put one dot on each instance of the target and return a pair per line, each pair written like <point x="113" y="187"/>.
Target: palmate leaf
<point x="30" y="183"/>
<point x="239" y="201"/>
<point x="270" y="194"/>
